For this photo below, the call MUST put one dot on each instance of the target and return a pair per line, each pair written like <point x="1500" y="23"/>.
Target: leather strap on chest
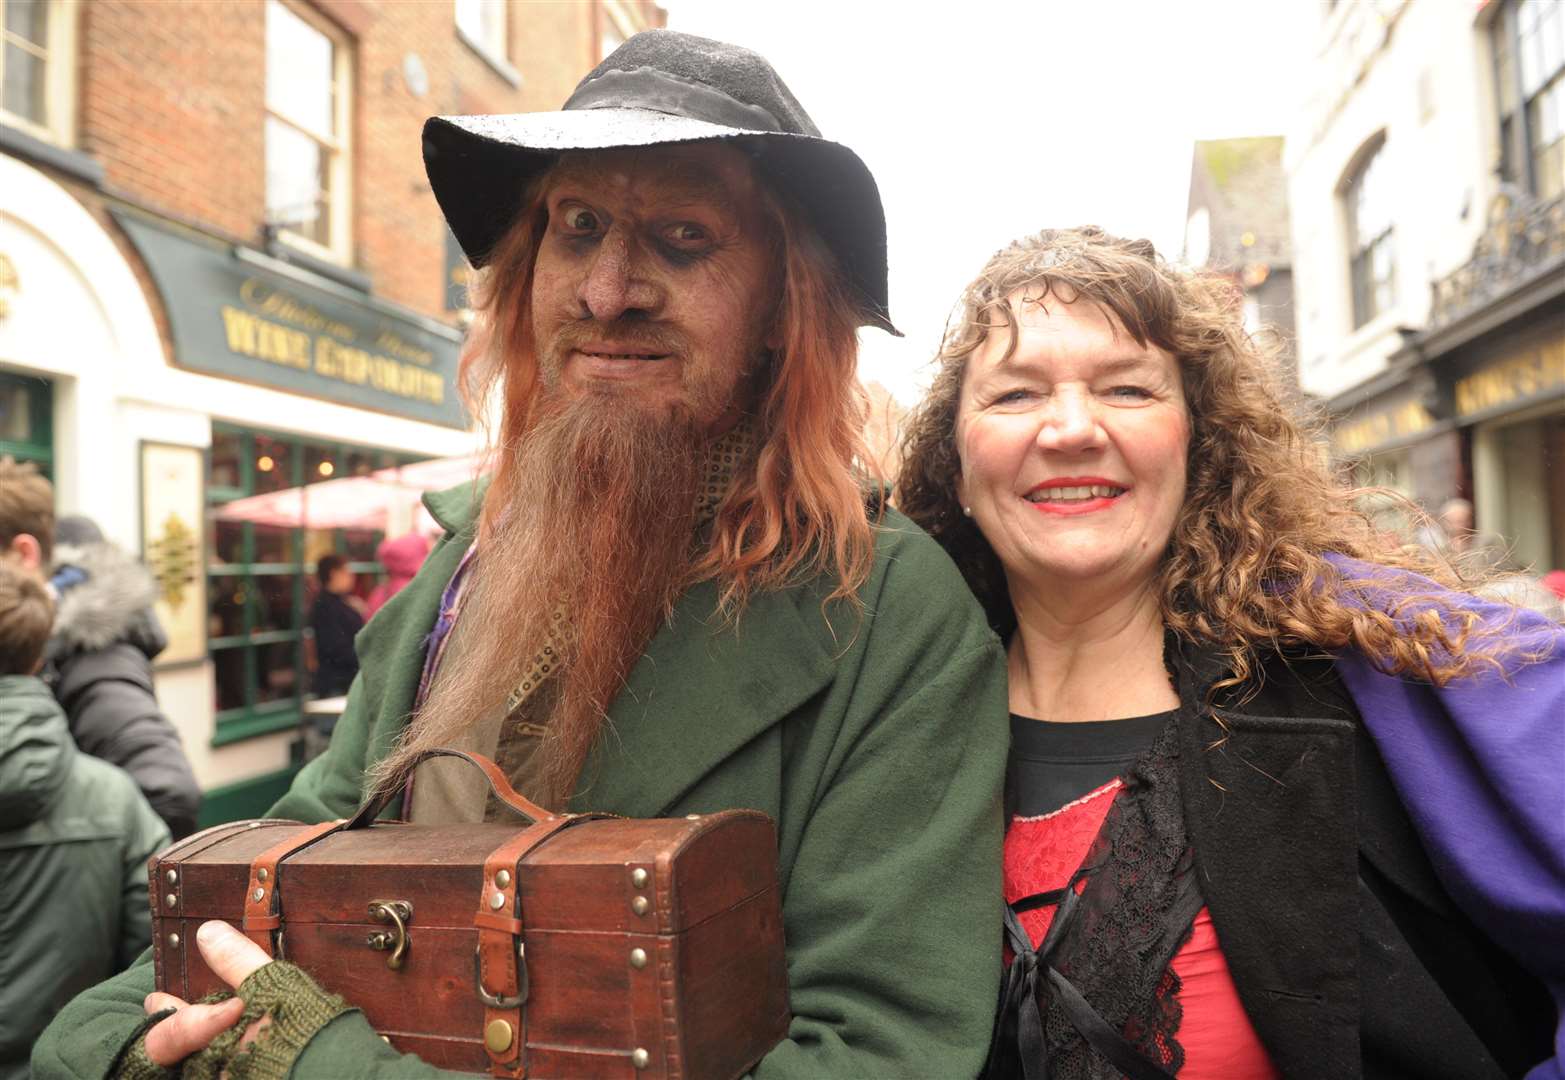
<point x="263" y="917"/>
<point x="501" y="959"/>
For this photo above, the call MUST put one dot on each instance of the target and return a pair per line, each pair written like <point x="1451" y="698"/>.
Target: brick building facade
<point x="223" y="278"/>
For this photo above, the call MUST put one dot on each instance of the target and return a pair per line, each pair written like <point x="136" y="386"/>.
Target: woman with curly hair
<point x="1285" y="799"/>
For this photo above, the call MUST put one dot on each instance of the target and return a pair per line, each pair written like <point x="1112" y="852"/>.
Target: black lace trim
<point x="1138" y="908"/>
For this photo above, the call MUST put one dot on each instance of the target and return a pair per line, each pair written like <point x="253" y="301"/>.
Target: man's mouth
<point x="598" y="354"/>
<point x="1074" y="493"/>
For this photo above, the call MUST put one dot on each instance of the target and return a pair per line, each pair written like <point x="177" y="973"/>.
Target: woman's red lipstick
<point x="1077" y="504"/>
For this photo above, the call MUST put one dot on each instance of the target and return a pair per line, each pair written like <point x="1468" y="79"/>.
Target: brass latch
<point x="399" y="913"/>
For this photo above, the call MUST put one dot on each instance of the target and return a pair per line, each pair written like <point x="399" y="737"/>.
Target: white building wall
<point x="1418" y="73"/>
<point x="81" y="319"/>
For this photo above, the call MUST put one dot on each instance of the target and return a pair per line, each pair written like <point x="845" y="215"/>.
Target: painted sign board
<point x="235" y="317"/>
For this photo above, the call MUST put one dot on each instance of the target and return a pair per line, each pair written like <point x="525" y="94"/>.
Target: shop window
<point x="308" y="117"/>
<point x="26" y="420"/>
<point x="261" y="570"/>
<point x="1372" y="263"/>
<point x="1528" y="39"/>
<point x="37" y="67"/>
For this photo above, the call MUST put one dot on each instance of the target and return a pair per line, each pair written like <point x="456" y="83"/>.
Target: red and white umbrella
<point x="356" y="502"/>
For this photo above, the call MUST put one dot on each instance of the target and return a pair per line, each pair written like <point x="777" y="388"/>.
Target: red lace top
<point x="1041" y="854"/>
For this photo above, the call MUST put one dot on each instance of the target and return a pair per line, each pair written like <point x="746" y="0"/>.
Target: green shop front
<point x="314" y="393"/>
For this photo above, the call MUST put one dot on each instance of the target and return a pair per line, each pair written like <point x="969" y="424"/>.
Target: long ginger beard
<point x="597" y="515"/>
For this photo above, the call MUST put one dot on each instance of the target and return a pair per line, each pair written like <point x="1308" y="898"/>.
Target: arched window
<point x="1372" y="263"/>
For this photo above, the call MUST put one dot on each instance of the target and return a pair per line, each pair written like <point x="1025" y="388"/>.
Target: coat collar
<point x="701" y="691"/>
<point x="456" y="509"/>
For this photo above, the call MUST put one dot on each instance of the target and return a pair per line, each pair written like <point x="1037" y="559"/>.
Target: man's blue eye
<point x="579" y="219"/>
<point x="1131" y="391"/>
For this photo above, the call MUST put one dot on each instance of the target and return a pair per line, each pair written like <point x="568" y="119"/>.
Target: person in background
<point x="1486" y="557"/>
<point x="336" y="617"/>
<point x="1285" y="801"/>
<point x="99" y="659"/>
<point x="75" y="836"/>
<point x="1457" y="538"/>
<point x="401" y="557"/>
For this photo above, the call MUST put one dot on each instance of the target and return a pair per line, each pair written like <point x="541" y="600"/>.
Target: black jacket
<point x="1348" y="955"/>
<point x="336" y="623"/>
<point x="100" y="667"/>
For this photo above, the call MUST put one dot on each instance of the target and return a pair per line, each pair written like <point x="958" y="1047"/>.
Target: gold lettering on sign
<point x="1533" y="371"/>
<point x="270" y="301"/>
<point x="360" y="368"/>
<point x="261" y="339"/>
<point x="249" y="335"/>
<point x="1407" y="419"/>
<point x="387" y="342"/>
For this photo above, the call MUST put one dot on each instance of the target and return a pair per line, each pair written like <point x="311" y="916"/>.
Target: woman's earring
<point x="967" y="511"/>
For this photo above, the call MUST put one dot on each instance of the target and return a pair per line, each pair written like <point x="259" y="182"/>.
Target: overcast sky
<point x="983" y="120"/>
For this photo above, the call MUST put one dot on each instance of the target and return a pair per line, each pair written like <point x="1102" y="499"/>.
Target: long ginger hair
<point x="1245" y="568"/>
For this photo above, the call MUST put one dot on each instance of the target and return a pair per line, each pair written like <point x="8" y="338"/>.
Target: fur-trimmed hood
<point x="114" y="604"/>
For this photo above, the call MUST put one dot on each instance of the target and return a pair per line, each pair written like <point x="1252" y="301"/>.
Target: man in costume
<point x="674" y="594"/>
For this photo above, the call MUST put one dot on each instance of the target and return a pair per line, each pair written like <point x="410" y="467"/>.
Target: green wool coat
<point x="877" y="744"/>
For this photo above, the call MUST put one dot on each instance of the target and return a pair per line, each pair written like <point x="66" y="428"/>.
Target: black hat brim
<point x="478" y="167"/>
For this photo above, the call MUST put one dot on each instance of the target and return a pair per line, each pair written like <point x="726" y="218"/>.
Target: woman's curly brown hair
<point x="1245" y="569"/>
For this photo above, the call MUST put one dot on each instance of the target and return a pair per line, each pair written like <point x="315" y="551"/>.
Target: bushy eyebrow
<point x="678" y="181"/>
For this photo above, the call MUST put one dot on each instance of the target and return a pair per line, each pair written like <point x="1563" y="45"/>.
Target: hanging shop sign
<point x="1519" y="378"/>
<point x="240" y="315"/>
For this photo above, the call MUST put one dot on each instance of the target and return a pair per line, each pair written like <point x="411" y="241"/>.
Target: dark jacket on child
<point x="100" y="666"/>
<point x="75" y="836"/>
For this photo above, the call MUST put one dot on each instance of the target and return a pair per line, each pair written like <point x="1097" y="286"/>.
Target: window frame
<point x="59" y="127"/>
<point x="340" y="148"/>
<point x="253" y="717"/>
<point x="39" y="392"/>
<point x="496" y="54"/>
<point x="611" y="18"/>
<point x="1516" y="126"/>
<point x="1363" y="251"/>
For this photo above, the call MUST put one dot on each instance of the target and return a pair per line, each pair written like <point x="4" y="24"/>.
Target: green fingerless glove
<point x="298" y="1008"/>
<point x="133" y="1063"/>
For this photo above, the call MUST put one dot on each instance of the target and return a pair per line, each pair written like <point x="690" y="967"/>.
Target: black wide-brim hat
<point x="664" y="87"/>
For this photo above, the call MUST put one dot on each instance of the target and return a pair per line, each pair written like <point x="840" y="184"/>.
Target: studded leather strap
<point x="502" y="966"/>
<point x="263" y="906"/>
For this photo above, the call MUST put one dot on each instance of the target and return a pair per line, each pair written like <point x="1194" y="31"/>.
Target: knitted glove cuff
<point x="133" y="1062"/>
<point x="297" y="1008"/>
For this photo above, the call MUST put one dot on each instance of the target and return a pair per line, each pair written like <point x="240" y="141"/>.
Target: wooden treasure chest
<point x="577" y="946"/>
